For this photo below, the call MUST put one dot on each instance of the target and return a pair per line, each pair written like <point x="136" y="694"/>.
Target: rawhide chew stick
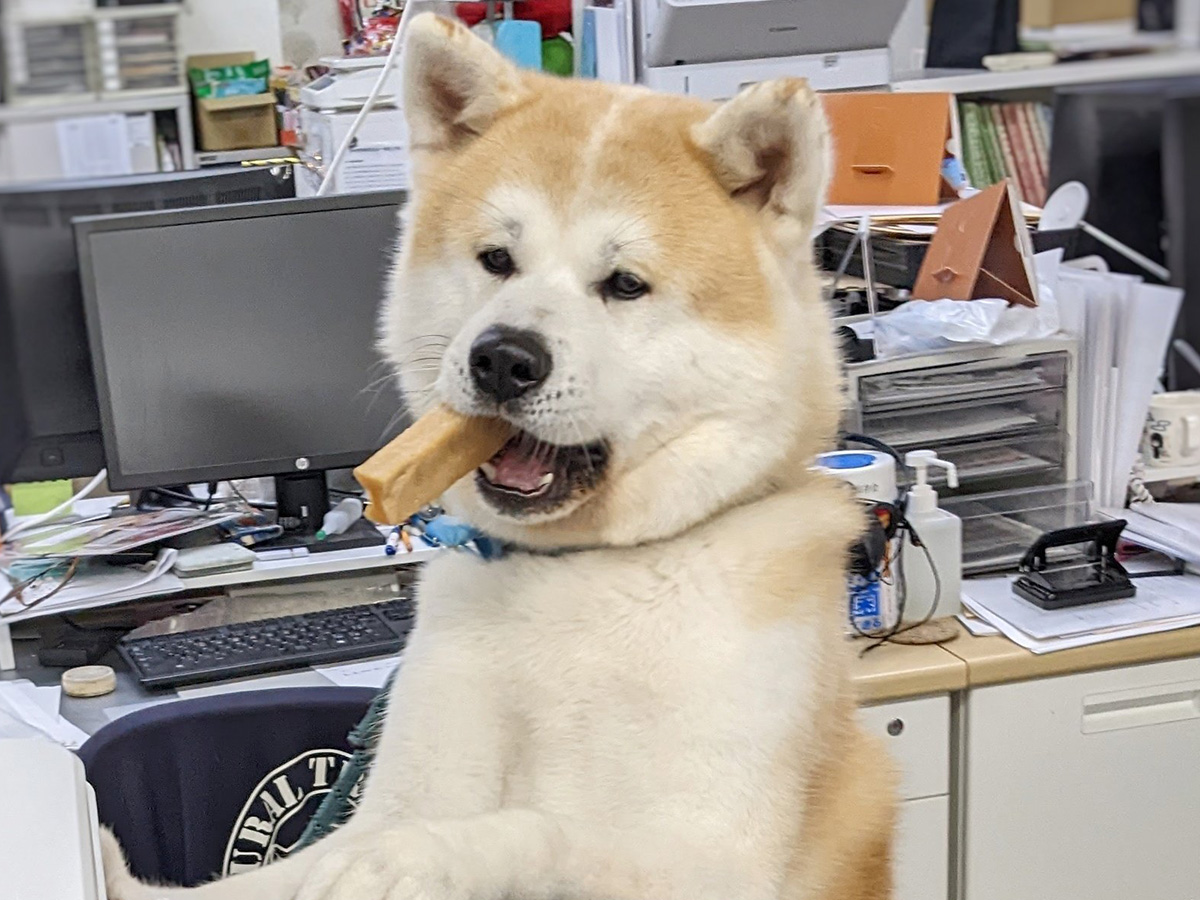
<point x="425" y="460"/>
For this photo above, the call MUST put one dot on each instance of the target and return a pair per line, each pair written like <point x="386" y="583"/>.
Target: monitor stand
<point x="302" y="501"/>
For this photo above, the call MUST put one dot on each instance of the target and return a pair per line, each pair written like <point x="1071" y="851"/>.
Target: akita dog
<point x="647" y="696"/>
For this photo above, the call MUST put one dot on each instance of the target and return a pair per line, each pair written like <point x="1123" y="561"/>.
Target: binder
<point x="981" y="250"/>
<point x="889" y="148"/>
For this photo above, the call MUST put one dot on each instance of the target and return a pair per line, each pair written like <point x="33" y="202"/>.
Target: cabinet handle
<point x="1141" y="707"/>
<point x="895" y="727"/>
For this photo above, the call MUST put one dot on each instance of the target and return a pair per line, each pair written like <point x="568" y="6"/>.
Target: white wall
<point x="227" y="26"/>
<point x="311" y="29"/>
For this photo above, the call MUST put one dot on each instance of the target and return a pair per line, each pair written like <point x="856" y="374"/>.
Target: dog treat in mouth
<point x="425" y="460"/>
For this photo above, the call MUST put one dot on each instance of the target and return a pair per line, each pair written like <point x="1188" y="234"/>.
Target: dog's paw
<point x="408" y="863"/>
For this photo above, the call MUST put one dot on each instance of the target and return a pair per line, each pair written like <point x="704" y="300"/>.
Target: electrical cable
<point x="54" y="513"/>
<point x="253" y="504"/>
<point x="393" y="55"/>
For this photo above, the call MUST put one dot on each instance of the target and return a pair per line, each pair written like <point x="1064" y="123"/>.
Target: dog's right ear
<point x="455" y="85"/>
<point x="770" y="147"/>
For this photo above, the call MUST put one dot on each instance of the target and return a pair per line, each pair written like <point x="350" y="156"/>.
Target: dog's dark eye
<point x="498" y="261"/>
<point x="624" y="286"/>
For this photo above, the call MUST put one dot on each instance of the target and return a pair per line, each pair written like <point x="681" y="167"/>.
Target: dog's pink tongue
<point x="520" y="469"/>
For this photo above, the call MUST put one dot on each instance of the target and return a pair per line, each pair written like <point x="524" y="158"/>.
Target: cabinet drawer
<point x="922" y="850"/>
<point x="1085" y="786"/>
<point x="917" y="733"/>
<point x="963" y="381"/>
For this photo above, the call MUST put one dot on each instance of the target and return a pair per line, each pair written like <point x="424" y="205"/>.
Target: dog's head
<point x="626" y="277"/>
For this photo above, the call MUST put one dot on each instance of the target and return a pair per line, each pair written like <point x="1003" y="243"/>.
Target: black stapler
<point x="1074" y="581"/>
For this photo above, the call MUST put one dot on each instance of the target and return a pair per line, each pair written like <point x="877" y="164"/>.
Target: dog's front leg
<point x="534" y="856"/>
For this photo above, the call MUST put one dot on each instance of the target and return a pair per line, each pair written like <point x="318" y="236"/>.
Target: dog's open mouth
<point x="529" y="476"/>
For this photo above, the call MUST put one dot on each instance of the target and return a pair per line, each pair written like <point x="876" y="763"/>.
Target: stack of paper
<point x="607" y="52"/>
<point x="1161" y="604"/>
<point x="95" y="585"/>
<point x="30" y="711"/>
<point x="1170" y="528"/>
<point x="1124" y="327"/>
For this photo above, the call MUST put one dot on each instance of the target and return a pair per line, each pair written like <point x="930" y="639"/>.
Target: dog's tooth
<point x="547" y="479"/>
<point x="489" y="471"/>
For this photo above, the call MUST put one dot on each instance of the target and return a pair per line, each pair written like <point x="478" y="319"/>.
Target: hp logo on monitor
<point x="302" y="464"/>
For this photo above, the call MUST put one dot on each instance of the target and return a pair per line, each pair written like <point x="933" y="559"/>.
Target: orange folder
<point x="889" y="148"/>
<point x="981" y="250"/>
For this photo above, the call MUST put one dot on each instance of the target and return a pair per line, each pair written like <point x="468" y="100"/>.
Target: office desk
<point x="312" y="566"/>
<point x="1001" y="754"/>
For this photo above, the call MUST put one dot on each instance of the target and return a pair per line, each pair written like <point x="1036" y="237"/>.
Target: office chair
<point x="217" y="785"/>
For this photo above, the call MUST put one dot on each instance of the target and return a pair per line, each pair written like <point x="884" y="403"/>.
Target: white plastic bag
<point x="922" y="326"/>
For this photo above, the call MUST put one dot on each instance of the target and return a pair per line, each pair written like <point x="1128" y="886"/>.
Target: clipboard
<point x="889" y="148"/>
<point x="981" y="250"/>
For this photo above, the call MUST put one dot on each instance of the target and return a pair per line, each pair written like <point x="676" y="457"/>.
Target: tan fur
<point x="660" y="708"/>
<point x="648" y="161"/>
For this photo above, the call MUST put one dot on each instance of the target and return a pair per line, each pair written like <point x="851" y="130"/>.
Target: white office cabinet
<point x="917" y="733"/>
<point x="1085" y="786"/>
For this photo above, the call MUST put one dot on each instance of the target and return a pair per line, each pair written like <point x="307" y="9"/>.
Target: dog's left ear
<point x="770" y="147"/>
<point x="455" y="85"/>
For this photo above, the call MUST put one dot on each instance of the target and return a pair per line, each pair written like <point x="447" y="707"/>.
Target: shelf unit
<point x="175" y="100"/>
<point x="1168" y="64"/>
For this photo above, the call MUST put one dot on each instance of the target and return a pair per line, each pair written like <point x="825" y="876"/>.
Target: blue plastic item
<point x="521" y="41"/>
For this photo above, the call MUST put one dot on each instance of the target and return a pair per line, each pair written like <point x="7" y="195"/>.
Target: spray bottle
<point x="940" y="535"/>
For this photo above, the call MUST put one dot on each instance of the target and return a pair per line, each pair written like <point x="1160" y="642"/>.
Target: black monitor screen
<point x="240" y="343"/>
<point x="49" y="422"/>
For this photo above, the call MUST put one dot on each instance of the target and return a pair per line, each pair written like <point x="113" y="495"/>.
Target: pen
<point x="393" y="542"/>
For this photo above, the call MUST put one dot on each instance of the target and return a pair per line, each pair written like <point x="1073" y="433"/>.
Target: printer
<point x="49" y="833"/>
<point x="714" y="48"/>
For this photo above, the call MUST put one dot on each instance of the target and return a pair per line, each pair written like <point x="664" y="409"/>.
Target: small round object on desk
<point x="89" y="681"/>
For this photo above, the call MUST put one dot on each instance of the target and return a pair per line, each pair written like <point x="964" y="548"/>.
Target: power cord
<point x="57" y="511"/>
<point x="369" y="104"/>
<point x="901" y="583"/>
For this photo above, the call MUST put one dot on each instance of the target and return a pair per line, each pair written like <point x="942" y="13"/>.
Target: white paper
<point x="374" y="169"/>
<point x="977" y="626"/>
<point x="1170" y="528"/>
<point x="94" y="146"/>
<point x="1161" y="604"/>
<point x="372" y="673"/>
<point x="1146" y="335"/>
<point x="140" y="130"/>
<point x="1157" y="599"/>
<point x="610" y="29"/>
<point x="1051" y="645"/>
<point x="1124" y="327"/>
<point x="98" y="587"/>
<point x="26" y="705"/>
<point x="299" y="678"/>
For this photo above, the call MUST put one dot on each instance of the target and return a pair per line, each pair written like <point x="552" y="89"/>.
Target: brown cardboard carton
<point x="233" y="123"/>
<point x="1048" y="13"/>
<point x="889" y="148"/>
<point x="981" y="250"/>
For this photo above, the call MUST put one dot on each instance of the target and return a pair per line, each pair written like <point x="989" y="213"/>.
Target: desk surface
<point x="996" y="660"/>
<point x="890" y="672"/>
<point x="895" y="671"/>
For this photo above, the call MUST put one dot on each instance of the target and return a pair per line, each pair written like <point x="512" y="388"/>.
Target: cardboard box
<point x="888" y="148"/>
<point x="233" y="123"/>
<point x="1049" y="13"/>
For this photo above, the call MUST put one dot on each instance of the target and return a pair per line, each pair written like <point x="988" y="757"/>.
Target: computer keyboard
<point x="288" y="642"/>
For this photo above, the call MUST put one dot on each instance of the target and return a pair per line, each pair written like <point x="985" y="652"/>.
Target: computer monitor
<point x="241" y="342"/>
<point x="1181" y="150"/>
<point x="1109" y="137"/>
<point x="49" y="421"/>
<point x="1133" y="144"/>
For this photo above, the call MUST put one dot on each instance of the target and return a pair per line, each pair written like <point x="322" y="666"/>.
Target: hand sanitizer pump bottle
<point x="940" y="533"/>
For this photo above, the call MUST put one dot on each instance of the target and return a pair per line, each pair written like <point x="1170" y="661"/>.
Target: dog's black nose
<point x="507" y="362"/>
